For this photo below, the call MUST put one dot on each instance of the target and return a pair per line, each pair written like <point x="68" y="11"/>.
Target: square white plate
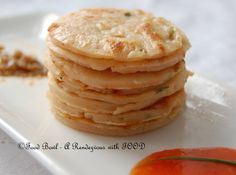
<point x="209" y="119"/>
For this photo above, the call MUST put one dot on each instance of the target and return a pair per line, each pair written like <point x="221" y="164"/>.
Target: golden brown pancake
<point x="117" y="34"/>
<point x="112" y="80"/>
<point x="166" y="89"/>
<point x="160" y="109"/>
<point x="111" y="130"/>
<point x="118" y="66"/>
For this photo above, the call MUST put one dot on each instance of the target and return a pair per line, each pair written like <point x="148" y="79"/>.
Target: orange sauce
<point x="152" y="165"/>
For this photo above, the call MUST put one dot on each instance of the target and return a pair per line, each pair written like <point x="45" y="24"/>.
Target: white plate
<point x="209" y="119"/>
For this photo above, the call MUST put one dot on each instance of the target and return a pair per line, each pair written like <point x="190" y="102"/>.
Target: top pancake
<point x="119" y="34"/>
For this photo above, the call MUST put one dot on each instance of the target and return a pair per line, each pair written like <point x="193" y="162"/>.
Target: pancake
<point x="168" y="88"/>
<point x="158" y="110"/>
<point x="91" y="105"/>
<point x="117" y="34"/>
<point x="118" y="66"/>
<point x="76" y="84"/>
<point x="87" y="125"/>
<point x="111" y="80"/>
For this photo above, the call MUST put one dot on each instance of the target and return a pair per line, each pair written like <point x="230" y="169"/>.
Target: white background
<point x="209" y="24"/>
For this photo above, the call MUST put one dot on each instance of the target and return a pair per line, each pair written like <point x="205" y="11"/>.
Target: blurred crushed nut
<point x="19" y="64"/>
<point x="128" y="14"/>
<point x="1" y="48"/>
<point x="17" y="54"/>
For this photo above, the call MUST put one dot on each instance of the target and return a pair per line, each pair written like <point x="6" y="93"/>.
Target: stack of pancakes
<point x="115" y="71"/>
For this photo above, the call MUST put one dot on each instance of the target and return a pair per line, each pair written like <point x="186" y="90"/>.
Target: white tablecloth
<point x="210" y="26"/>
